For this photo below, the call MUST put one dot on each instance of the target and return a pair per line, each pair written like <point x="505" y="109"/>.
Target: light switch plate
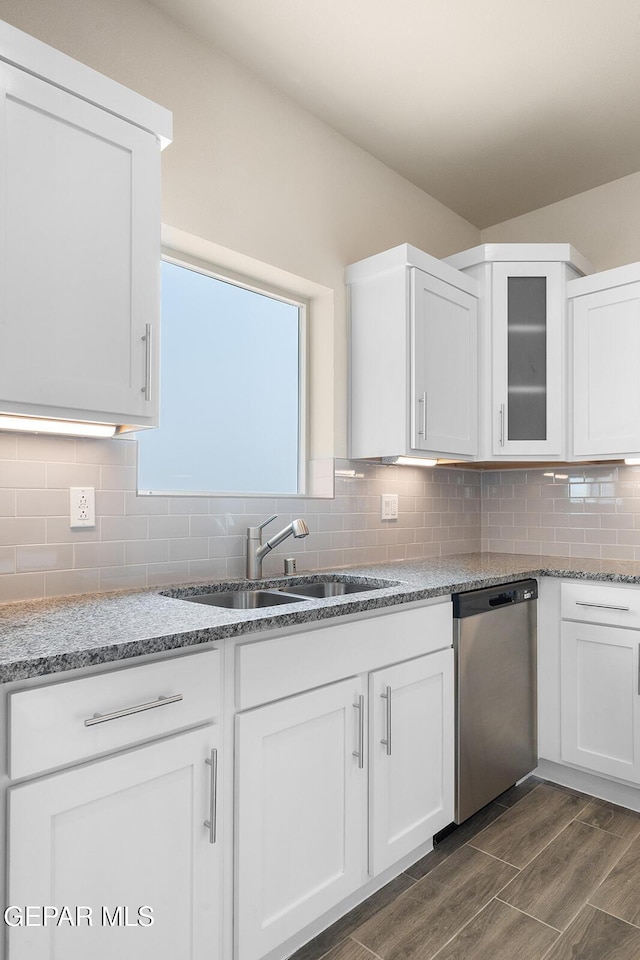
<point x="82" y="507"/>
<point x="389" y="506"/>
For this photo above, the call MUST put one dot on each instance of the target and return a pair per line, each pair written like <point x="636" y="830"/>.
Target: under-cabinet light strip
<point x="73" y="428"/>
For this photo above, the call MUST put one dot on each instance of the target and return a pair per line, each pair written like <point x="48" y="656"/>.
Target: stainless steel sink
<point x="329" y="588"/>
<point x="272" y="594"/>
<point x="243" y="599"/>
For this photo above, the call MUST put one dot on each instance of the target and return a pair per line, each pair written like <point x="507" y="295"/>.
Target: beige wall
<point x="602" y="223"/>
<point x="248" y="169"/>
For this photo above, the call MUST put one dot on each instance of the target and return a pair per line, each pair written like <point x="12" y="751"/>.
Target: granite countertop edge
<point x="43" y="637"/>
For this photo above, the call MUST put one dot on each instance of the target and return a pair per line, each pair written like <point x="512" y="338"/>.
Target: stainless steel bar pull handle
<point x="147" y="361"/>
<point x="502" y="424"/>
<point x="211" y="823"/>
<point x="422" y="405"/>
<point x="387" y="740"/>
<point x="139" y="708"/>
<point x="602" y="606"/>
<point x="359" y="753"/>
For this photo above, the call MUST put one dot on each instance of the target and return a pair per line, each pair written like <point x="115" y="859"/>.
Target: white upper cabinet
<point x="444" y="367"/>
<point x="522" y="397"/>
<point x="528" y="347"/>
<point x="604" y="312"/>
<point x="413" y="353"/>
<point x="80" y="249"/>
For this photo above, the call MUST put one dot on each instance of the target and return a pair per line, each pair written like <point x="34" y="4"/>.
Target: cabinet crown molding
<point x="521" y="252"/>
<point x="39" y="59"/>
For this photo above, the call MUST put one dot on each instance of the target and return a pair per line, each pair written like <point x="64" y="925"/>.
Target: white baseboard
<point x="624" y="794"/>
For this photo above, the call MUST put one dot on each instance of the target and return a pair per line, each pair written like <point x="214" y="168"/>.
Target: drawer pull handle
<point x="146" y="390"/>
<point x="602" y="606"/>
<point x="387" y="740"/>
<point x="422" y="404"/>
<point x="359" y="753"/>
<point x="139" y="708"/>
<point x="211" y="823"/>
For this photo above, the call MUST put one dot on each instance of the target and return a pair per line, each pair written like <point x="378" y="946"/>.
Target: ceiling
<point x="494" y="107"/>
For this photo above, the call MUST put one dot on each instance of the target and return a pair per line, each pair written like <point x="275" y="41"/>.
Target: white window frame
<point x="320" y="334"/>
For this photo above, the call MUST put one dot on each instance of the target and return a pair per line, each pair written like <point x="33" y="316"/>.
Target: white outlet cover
<point x="389" y="506"/>
<point x="82" y="507"/>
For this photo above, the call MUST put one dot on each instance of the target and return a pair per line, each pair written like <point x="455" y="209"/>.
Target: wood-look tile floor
<point x="542" y="872"/>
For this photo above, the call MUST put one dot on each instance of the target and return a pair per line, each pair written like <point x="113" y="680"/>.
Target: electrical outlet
<point x="389" y="506"/>
<point x="82" y="507"/>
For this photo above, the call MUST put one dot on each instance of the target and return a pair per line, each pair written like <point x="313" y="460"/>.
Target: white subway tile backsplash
<point x="596" y="513"/>
<point x="189" y="548"/>
<point x="59" y="531"/>
<point x="21" y="530"/>
<point x="8" y="446"/>
<point x="42" y="503"/>
<point x="40" y="447"/>
<point x="58" y="556"/>
<point x="106" y="553"/>
<point x="110" y="503"/>
<point x="209" y="526"/>
<point x="7" y="560"/>
<point x="215" y="569"/>
<point x="21" y="586"/>
<point x="59" y="583"/>
<point x="227" y="546"/>
<point x="147" y="541"/>
<point x="125" y="577"/>
<point x="117" y="478"/>
<point x="96" y="451"/>
<point x="168" y="527"/>
<point x="188" y="505"/>
<point x="159" y="574"/>
<point x="123" y="528"/>
<point x="147" y="506"/>
<point x="20" y="474"/>
<point x="65" y="475"/>
<point x="146" y="551"/>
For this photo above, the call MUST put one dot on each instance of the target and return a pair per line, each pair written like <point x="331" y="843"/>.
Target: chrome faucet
<point x="257" y="550"/>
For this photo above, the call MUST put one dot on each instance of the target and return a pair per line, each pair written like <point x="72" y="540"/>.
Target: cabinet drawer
<point x="56" y="724"/>
<point x="600" y="603"/>
<point x="283" y="666"/>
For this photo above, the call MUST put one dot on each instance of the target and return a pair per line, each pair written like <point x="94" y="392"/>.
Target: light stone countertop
<point x="42" y="637"/>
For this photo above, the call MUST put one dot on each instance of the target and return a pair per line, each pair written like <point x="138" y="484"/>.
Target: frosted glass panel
<point x="229" y="394"/>
<point x="527" y="358"/>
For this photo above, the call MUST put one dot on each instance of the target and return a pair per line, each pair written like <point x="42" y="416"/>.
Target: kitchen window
<point x="232" y="389"/>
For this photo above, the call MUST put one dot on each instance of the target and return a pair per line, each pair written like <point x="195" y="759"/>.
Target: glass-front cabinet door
<point x="527" y="359"/>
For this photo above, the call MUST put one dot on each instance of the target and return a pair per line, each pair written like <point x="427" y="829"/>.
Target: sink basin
<point x="330" y="588"/>
<point x="272" y="594"/>
<point x="243" y="599"/>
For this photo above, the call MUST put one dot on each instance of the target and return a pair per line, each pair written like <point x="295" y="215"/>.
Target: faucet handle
<point x="265" y="522"/>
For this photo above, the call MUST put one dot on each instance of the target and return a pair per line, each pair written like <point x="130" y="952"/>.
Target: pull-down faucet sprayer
<point x="257" y="550"/>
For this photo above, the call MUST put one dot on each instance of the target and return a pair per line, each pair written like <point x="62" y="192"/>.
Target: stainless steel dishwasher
<point x="496" y="695"/>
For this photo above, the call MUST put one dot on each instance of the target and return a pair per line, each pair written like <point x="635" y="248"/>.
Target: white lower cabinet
<point x="411" y="757"/>
<point x="119" y="784"/>
<point x="116" y="836"/>
<point x="600" y="702"/>
<point x="116" y="774"/>
<point x="313" y="779"/>
<point x="301" y="799"/>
